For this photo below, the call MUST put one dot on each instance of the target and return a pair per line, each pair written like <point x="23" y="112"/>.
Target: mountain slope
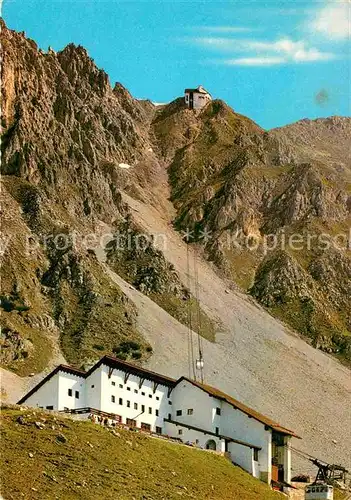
<point x="93" y="160"/>
<point x="246" y="194"/>
<point x="70" y="144"/>
<point x="136" y="466"/>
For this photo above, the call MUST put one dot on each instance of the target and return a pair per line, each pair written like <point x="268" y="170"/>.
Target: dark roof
<point x="60" y="368"/>
<point x="111" y="362"/>
<point x="212" y="391"/>
<point x="198" y="90"/>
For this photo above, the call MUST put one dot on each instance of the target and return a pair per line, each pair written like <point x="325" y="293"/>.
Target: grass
<point x="242" y="267"/>
<point x="179" y="309"/>
<point x="271" y="172"/>
<point x="94" y="463"/>
<point x="37" y="357"/>
<point x="340" y="495"/>
<point x="92" y="331"/>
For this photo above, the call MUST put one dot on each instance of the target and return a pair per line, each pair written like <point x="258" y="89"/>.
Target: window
<point x="190" y="411"/>
<point x="135" y="391"/>
<point x="128" y="388"/>
<point x="128" y="404"/>
<point x="218" y="411"/>
<point x="150" y="395"/>
<point x="70" y="393"/>
<point x="113" y="399"/>
<point x="156" y="413"/>
<point x="180" y="432"/>
<point x="93" y="386"/>
<point x="121" y="386"/>
<point x="143" y="393"/>
<point x="142" y="408"/>
<point x="157" y="398"/>
<point x="169" y="402"/>
<point x="255" y="454"/>
<point x="131" y="422"/>
<point x="77" y="394"/>
<point x="169" y="416"/>
<point x="135" y="406"/>
<point x="146" y="427"/>
<point x="196" y="441"/>
<point x="120" y="401"/>
<point x="217" y="431"/>
<point x="49" y="407"/>
<point x="150" y="410"/>
<point x="179" y="412"/>
<point x="113" y="383"/>
<point x="158" y="430"/>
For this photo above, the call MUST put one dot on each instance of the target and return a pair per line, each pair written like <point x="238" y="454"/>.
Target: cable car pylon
<point x="196" y="367"/>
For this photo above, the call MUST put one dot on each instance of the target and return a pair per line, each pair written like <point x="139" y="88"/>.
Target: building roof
<point x="212" y="391"/>
<point x="110" y="361"/>
<point x="198" y="90"/>
<point x="117" y="363"/>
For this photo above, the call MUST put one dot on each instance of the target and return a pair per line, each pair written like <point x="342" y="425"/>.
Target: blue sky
<point x="274" y="61"/>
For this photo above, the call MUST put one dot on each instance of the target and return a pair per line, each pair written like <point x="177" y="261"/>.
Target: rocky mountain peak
<point x="81" y="70"/>
<point x="73" y="147"/>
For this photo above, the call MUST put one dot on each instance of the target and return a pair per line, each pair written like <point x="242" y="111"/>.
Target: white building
<point x="197" y="98"/>
<point x="182" y="408"/>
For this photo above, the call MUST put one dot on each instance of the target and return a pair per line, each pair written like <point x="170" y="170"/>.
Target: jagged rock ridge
<point x="71" y="145"/>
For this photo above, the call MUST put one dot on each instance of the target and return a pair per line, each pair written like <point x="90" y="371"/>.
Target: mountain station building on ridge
<point x="185" y="409"/>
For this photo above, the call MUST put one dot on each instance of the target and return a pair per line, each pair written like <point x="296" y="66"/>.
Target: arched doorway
<point x="211" y="445"/>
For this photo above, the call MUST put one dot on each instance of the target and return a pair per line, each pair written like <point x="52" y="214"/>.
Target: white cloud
<point x="292" y="51"/>
<point x="333" y="20"/>
<point x="254" y="61"/>
<point x="266" y="53"/>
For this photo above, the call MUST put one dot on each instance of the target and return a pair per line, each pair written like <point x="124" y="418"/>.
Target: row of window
<point x="190" y="411"/>
<point x="121" y="386"/>
<point x="136" y="406"/>
<point x="133" y="423"/>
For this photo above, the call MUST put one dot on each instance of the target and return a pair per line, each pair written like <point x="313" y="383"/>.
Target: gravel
<point x="255" y="358"/>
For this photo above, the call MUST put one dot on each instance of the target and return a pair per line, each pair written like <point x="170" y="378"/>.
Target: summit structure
<point x="197" y="98"/>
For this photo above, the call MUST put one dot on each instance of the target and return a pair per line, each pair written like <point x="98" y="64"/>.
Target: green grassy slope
<point x="96" y="463"/>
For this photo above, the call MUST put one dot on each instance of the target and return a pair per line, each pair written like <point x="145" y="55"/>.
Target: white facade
<point x="197" y="98"/>
<point x="183" y="409"/>
<point x="63" y="390"/>
<point x="140" y="400"/>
